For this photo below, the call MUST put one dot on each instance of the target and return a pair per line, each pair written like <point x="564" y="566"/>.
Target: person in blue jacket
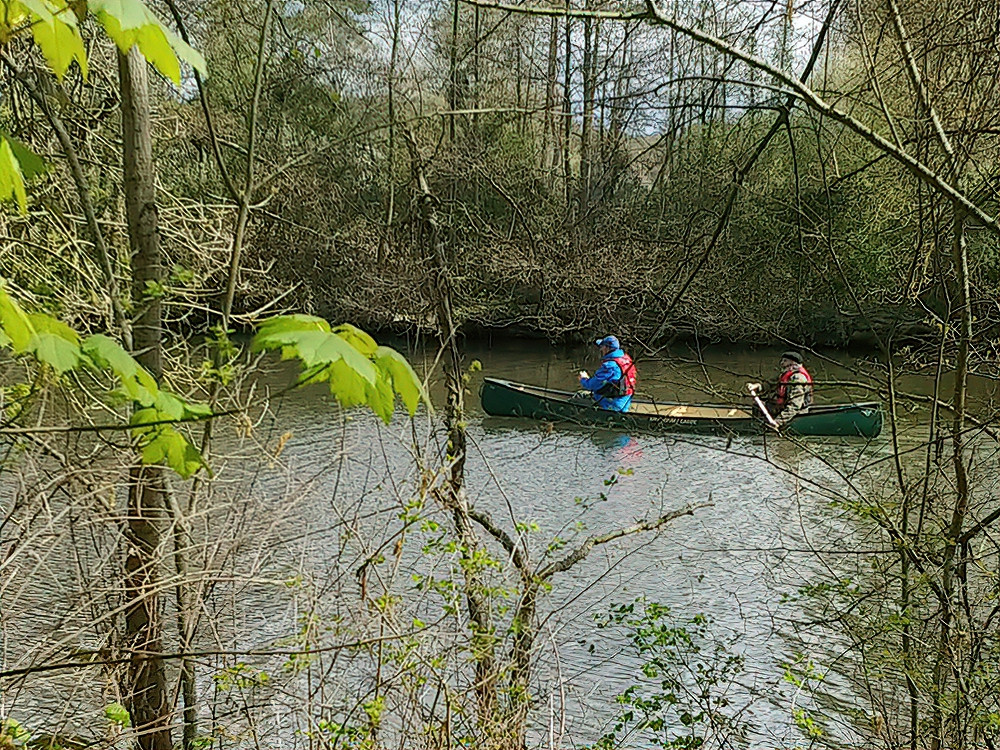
<point x="614" y="382"/>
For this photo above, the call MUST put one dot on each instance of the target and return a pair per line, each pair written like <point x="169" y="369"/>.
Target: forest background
<point x="590" y="173"/>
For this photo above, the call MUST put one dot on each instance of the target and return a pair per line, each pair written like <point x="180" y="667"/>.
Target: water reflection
<point x="621" y="446"/>
<point x="739" y="562"/>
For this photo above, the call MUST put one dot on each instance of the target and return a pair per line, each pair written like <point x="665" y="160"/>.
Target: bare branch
<point x="584" y="549"/>
<point x="513" y="549"/>
<point x="919" y="169"/>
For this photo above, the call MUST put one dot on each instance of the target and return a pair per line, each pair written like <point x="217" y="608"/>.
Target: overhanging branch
<point x="919" y="169"/>
<point x="584" y="549"/>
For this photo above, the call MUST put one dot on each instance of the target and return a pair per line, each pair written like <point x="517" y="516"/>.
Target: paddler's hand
<point x="584" y="375"/>
<point x="753" y="388"/>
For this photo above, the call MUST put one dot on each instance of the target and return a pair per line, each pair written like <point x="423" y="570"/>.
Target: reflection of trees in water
<point x="884" y="616"/>
<point x="842" y="627"/>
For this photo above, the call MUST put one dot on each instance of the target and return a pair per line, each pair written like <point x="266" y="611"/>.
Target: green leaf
<point x="155" y="49"/>
<point x="144" y="421"/>
<point x="315" y="348"/>
<point x="404" y="379"/>
<point x="168" y="406"/>
<point x="11" y="177"/>
<point x="54" y="343"/>
<point x="381" y="399"/>
<point x="165" y="446"/>
<point x="60" y="42"/>
<point x="37" y="8"/>
<point x="171" y="406"/>
<point x="17" y="164"/>
<point x="334" y="349"/>
<point x="357" y="338"/>
<point x="358" y="370"/>
<point x="130" y="23"/>
<point x="347" y="385"/>
<point x="15" y="323"/>
<point x="31" y="164"/>
<point x="187" y="53"/>
<point x="129" y="15"/>
<point x="49" y="340"/>
<point x="195" y="409"/>
<point x="11" y="729"/>
<point x="116" y="713"/>
<point x="108" y="354"/>
<point x="283" y="329"/>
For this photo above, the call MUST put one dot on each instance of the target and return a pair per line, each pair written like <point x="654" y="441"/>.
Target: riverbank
<point x="573" y="315"/>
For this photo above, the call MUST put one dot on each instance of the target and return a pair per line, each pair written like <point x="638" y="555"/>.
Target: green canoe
<point x="503" y="398"/>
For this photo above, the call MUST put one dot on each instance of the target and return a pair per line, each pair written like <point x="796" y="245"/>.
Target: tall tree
<point x="148" y="701"/>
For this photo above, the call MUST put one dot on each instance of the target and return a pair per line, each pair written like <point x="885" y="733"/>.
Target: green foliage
<point x="55" y="26"/>
<point x="107" y="354"/>
<point x="12" y="734"/>
<point x="809" y="726"/>
<point x="356" y="369"/>
<point x="802" y="673"/>
<point x="344" y="734"/>
<point x="15" y="327"/>
<point x="240" y="676"/>
<point x="163" y="445"/>
<point x="220" y="369"/>
<point x="17" y="165"/>
<point x="50" y="341"/>
<point x="680" y="696"/>
<point x="373" y="710"/>
<point x="117" y="714"/>
<point x="131" y="24"/>
<point x="53" y="344"/>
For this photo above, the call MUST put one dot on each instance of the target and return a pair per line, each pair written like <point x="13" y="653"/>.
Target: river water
<point x="286" y="538"/>
<point x="734" y="561"/>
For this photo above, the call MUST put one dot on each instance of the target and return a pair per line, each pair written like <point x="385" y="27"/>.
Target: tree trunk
<point x="568" y="120"/>
<point x="475" y="72"/>
<point x="453" y="496"/>
<point x="390" y="206"/>
<point x="520" y="668"/>
<point x="551" y="159"/>
<point x="587" y="127"/>
<point x="951" y="584"/>
<point x="147" y="693"/>
<point x="453" y="71"/>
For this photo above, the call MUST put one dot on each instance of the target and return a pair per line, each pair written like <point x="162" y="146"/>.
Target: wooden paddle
<point x="754" y="388"/>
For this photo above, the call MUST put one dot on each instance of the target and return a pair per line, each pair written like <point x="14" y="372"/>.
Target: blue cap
<point x="611" y="341"/>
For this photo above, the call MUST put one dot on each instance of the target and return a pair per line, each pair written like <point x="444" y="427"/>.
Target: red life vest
<point x="781" y="393"/>
<point x="626" y="385"/>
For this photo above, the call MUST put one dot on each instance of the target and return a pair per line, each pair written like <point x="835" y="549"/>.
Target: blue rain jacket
<point x="608" y="372"/>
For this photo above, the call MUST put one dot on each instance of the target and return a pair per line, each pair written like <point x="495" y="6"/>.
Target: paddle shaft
<point x="767" y="415"/>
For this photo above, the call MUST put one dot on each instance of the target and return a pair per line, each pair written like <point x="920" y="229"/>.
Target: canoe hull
<point x="504" y="398"/>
